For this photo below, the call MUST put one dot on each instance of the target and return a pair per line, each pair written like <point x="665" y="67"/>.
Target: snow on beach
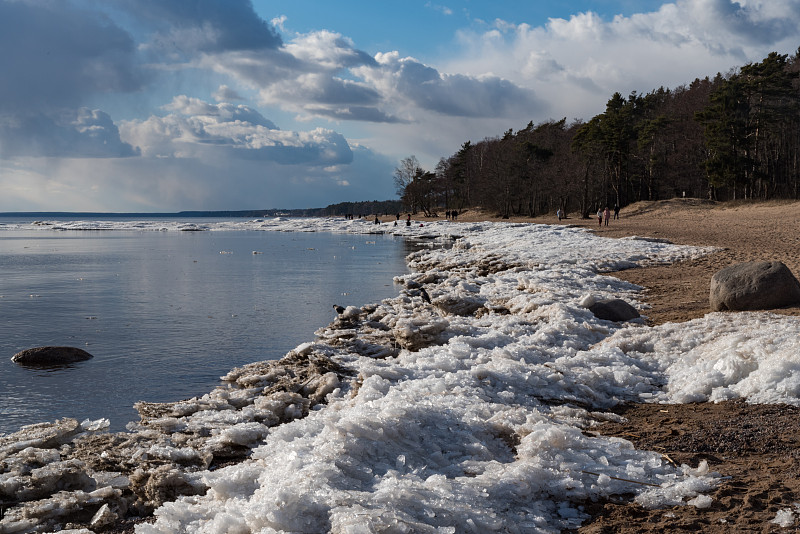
<point x="482" y="410"/>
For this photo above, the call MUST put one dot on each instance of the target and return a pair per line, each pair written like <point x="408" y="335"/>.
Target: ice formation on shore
<point x="466" y="414"/>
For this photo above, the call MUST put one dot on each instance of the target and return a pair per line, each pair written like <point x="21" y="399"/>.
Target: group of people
<point x="605" y="215"/>
<point x="397" y="218"/>
<point x="602" y="215"/>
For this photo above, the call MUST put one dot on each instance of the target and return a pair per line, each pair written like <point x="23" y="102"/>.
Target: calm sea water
<point x="165" y="314"/>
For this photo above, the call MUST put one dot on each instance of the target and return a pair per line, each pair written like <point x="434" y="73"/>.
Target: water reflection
<point x="48" y="368"/>
<point x="165" y="314"/>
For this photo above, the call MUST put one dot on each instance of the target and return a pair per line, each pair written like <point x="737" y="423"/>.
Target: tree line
<point x="736" y="136"/>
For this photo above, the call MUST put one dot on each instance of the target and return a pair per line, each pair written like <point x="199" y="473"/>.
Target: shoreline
<point x="422" y="337"/>
<point x="754" y="445"/>
<point x="743" y="231"/>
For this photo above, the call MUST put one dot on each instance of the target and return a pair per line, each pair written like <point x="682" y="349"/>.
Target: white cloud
<point x="322" y="74"/>
<point x="307" y="76"/>
<point x="444" y="10"/>
<point x="198" y="129"/>
<point x="53" y="58"/>
<point x="279" y="22"/>
<point x="327" y="51"/>
<point x="576" y="64"/>
<point x="63" y="65"/>
<point x="209" y="180"/>
<point x="222" y="112"/>
<point x="422" y="88"/>
<point x="80" y="133"/>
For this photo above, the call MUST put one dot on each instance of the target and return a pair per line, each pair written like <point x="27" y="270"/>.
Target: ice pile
<point x="460" y="417"/>
<point x="461" y="405"/>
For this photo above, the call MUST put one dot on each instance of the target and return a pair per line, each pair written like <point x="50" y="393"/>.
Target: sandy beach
<point x="755" y="447"/>
<point x="743" y="231"/>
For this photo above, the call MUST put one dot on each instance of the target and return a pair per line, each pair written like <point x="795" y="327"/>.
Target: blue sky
<point x="167" y="105"/>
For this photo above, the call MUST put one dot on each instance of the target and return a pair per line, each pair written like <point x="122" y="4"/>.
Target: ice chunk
<point x="784" y="518"/>
<point x="701" y="501"/>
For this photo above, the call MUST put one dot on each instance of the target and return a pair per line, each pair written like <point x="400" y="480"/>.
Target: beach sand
<point x="756" y="448"/>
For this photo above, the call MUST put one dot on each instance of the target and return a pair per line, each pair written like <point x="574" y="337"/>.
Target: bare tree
<point x="405" y="178"/>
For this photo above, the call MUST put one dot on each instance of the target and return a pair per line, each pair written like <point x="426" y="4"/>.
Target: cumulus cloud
<point x="53" y="58"/>
<point x="322" y="74"/>
<point x="222" y="112"/>
<point x="424" y="87"/>
<point x="328" y="51"/>
<point x="81" y="133"/>
<point x="576" y="64"/>
<point x="199" y="129"/>
<point x="307" y="76"/>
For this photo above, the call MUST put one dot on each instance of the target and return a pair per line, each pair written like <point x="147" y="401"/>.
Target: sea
<point x="166" y="312"/>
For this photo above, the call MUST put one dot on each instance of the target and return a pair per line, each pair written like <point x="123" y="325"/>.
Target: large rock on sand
<point x="755" y="285"/>
<point x="44" y="356"/>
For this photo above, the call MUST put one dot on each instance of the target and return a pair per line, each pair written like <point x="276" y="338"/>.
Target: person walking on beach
<point x="606" y="215"/>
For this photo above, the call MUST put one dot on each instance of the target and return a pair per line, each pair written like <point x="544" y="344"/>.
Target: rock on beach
<point x="614" y="310"/>
<point x="755" y="285"/>
<point x="50" y="356"/>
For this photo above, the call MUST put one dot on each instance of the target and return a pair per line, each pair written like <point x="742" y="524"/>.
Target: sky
<point x="169" y="105"/>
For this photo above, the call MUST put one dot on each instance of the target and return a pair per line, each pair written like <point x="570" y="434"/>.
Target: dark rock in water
<point x="755" y="285"/>
<point x="613" y="310"/>
<point x="50" y="356"/>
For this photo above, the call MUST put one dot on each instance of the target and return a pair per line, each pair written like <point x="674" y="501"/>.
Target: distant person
<point x="447" y="214"/>
<point x="454" y="215"/>
<point x="616" y="211"/>
<point x="559" y="214"/>
<point x="408" y="220"/>
<point x="599" y="217"/>
<point x="606" y="215"/>
<point x="377" y="221"/>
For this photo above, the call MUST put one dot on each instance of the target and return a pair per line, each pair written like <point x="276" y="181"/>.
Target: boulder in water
<point x="46" y="356"/>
